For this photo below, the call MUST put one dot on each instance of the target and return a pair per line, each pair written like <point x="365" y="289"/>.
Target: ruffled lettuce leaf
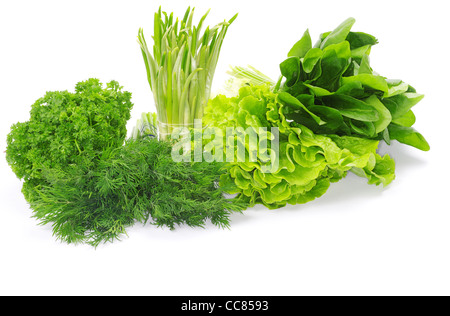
<point x="307" y="163"/>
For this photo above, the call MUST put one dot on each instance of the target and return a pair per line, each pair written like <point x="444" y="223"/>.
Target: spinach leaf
<point x="384" y="115"/>
<point x="360" y="39"/>
<point x="408" y="136"/>
<point x="400" y="104"/>
<point x="352" y="108"/>
<point x="311" y="58"/>
<point x="290" y="68"/>
<point x="302" y="46"/>
<point x="339" y="34"/>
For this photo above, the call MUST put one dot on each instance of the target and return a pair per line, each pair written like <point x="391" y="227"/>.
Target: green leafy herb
<point x="83" y="178"/>
<point x="137" y="182"/>
<point x="69" y="128"/>
<point x="181" y="67"/>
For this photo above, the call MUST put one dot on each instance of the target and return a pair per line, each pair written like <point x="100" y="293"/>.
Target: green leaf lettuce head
<point x="307" y="162"/>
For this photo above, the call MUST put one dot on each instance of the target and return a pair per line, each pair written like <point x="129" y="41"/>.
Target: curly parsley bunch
<point x="69" y="128"/>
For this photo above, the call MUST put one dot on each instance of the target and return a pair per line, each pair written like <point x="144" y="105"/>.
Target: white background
<point x="355" y="240"/>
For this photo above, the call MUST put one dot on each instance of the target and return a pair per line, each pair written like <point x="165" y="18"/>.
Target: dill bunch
<point x="138" y="182"/>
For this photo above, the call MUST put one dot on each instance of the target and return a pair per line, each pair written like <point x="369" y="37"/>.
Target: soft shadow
<point x="348" y="191"/>
<point x="404" y="156"/>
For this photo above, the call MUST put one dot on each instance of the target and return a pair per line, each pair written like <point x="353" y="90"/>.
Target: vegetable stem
<point x="181" y="68"/>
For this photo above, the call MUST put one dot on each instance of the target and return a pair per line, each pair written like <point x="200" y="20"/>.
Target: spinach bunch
<point x="332" y="89"/>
